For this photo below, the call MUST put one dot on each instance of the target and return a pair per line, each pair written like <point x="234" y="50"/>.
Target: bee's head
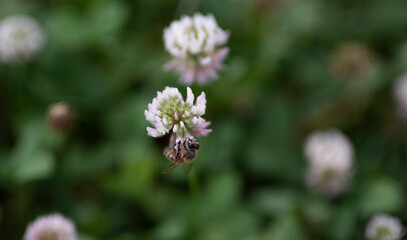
<point x="194" y="146"/>
<point x="192" y="143"/>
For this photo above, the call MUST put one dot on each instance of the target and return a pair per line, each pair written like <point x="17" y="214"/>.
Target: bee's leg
<point x="186" y="143"/>
<point x="180" y="158"/>
<point x="170" y="154"/>
<point x="165" y="152"/>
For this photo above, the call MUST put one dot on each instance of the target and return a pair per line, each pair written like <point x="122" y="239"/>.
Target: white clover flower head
<point x="51" y="227"/>
<point x="197" y="35"/>
<point x="169" y="111"/>
<point x="400" y="96"/>
<point x="21" y="38"/>
<point x="329" y="154"/>
<point x="384" y="227"/>
<point x="327" y="178"/>
<point x="329" y="145"/>
<point x="194" y="43"/>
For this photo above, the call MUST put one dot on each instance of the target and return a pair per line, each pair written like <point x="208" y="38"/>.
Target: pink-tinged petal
<point x="195" y="121"/>
<point x="200" y="106"/>
<point x="220" y="54"/>
<point x="205" y="61"/>
<point x="187" y="74"/>
<point x="154" y="132"/>
<point x="187" y="77"/>
<point x="201" y="130"/>
<point x="206" y="74"/>
<point x="202" y="74"/>
<point x="149" y="116"/>
<point x="175" y="63"/>
<point x="201" y="77"/>
<point x="205" y="124"/>
<point x="190" y="97"/>
<point x="201" y="100"/>
<point x="218" y="58"/>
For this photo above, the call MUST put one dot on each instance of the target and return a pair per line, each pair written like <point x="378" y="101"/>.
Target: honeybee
<point x="181" y="151"/>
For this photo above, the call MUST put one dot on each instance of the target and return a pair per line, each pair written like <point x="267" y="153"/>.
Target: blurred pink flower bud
<point x="60" y="117"/>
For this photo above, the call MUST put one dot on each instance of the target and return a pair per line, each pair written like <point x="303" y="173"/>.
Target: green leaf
<point x="222" y="194"/>
<point x="344" y="224"/>
<point x="106" y="17"/>
<point x="240" y="224"/>
<point x="318" y="211"/>
<point x="32" y="159"/>
<point x="135" y="177"/>
<point x="275" y="202"/>
<point x="37" y="165"/>
<point x="172" y="229"/>
<point x="71" y="29"/>
<point x="66" y="29"/>
<point x="380" y="195"/>
<point x="285" y="228"/>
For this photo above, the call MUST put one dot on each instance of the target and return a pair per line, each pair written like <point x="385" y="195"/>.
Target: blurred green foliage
<point x="105" y="58"/>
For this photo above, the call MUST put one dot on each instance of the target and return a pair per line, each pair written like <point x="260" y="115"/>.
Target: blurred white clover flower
<point x="169" y="111"/>
<point x="51" y="227"/>
<point x="21" y="38"/>
<point x="384" y="227"/>
<point x="329" y="154"/>
<point x="400" y="96"/>
<point x="194" y="43"/>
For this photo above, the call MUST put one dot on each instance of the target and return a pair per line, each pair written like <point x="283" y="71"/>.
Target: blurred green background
<point x="284" y="80"/>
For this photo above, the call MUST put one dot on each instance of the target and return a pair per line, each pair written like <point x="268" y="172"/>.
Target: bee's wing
<point x="187" y="168"/>
<point x="171" y="167"/>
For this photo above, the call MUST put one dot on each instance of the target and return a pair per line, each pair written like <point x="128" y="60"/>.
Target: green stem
<point x="194" y="184"/>
<point x="194" y="195"/>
